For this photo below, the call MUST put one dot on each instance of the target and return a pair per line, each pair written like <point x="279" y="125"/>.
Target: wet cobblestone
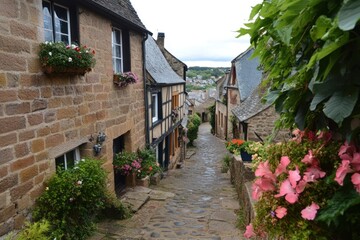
<point x="203" y="206"/>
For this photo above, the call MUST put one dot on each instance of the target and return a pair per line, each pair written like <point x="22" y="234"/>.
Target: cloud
<point x="198" y="30"/>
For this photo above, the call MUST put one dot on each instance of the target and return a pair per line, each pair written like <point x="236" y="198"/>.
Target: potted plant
<point x="239" y="147"/>
<point x="125" y="78"/>
<point x="57" y="57"/>
<point x="128" y="164"/>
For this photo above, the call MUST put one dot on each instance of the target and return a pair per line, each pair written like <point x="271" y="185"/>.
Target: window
<point x="60" y="21"/>
<point x="117" y="50"/>
<point x="154" y="107"/>
<point x="68" y="160"/>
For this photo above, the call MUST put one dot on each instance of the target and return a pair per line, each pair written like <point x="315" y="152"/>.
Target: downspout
<point x="147" y="138"/>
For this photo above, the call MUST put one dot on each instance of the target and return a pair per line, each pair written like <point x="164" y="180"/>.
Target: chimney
<point x="161" y="39"/>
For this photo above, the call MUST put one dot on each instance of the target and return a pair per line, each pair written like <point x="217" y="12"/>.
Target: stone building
<point x="48" y="120"/>
<point x="166" y="97"/>
<point x="240" y="113"/>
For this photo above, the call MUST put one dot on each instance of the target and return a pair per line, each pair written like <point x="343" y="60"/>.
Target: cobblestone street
<point x="201" y="203"/>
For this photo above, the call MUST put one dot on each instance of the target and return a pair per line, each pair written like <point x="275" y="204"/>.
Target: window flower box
<point x="125" y="78"/>
<point x="57" y="57"/>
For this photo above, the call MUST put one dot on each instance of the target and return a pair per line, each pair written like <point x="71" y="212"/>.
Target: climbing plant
<point x="310" y="51"/>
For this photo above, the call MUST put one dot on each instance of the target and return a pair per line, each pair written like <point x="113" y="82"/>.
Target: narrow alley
<point x="200" y="201"/>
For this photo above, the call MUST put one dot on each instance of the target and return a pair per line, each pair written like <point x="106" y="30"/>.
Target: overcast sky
<point x="198" y="32"/>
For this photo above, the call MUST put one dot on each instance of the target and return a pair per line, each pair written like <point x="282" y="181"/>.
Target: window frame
<point x="76" y="158"/>
<point x="114" y="52"/>
<point x="72" y="20"/>
<point x="155" y="107"/>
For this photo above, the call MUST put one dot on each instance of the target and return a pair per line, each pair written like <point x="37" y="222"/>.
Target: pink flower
<point x="284" y="162"/>
<point x="310" y="159"/>
<point x="262" y="185"/>
<point x="346" y="148"/>
<point x="309" y="213"/>
<point x="263" y="170"/>
<point x="341" y="172"/>
<point x="288" y="191"/>
<point x="280" y="212"/>
<point x="249" y="233"/>
<point x="355" y="179"/>
<point x="312" y="174"/>
<point x="294" y="176"/>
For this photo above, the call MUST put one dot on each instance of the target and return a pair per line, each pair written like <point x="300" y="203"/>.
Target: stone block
<point x="20" y="190"/>
<point x="17" y="108"/>
<point x="28" y="173"/>
<point x="8" y="139"/>
<point x="21" y="150"/>
<point x="155" y="179"/>
<point x="143" y="182"/>
<point x="35" y="119"/>
<point x="38" y="104"/>
<point x="7" y="154"/>
<point x="9" y="124"/>
<point x="10" y="62"/>
<point x="22" y="163"/>
<point x="7" y="95"/>
<point x="28" y="94"/>
<point x="37" y="145"/>
<point x="54" y="140"/>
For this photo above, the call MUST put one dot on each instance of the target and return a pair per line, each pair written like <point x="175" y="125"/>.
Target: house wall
<point x="166" y="127"/>
<point x="221" y="112"/>
<point x="233" y="100"/>
<point x="42" y="117"/>
<point x="263" y="124"/>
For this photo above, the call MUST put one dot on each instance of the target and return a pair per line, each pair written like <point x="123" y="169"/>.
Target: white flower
<point x="46" y="42"/>
<point x="73" y="46"/>
<point x="50" y="53"/>
<point x="79" y="182"/>
<point x="47" y="188"/>
<point x="70" y="59"/>
<point x="83" y="160"/>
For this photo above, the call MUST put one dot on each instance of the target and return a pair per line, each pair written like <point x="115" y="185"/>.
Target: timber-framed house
<point x="166" y="107"/>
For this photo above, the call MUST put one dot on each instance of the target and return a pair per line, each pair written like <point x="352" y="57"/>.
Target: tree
<point x="310" y="52"/>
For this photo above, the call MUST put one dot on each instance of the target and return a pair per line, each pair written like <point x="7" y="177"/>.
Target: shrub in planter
<point x="72" y="200"/>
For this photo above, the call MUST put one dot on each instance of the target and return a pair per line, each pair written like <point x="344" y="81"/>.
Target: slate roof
<point x="157" y="66"/>
<point x="121" y="10"/>
<point x="250" y="107"/>
<point x="247" y="73"/>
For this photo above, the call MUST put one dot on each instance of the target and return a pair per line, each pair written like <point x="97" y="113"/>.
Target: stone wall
<point x="263" y="124"/>
<point x="42" y="117"/>
<point x="242" y="177"/>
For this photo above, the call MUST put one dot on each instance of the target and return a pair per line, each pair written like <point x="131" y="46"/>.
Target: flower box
<point x="67" y="71"/>
<point x="57" y="57"/>
<point x="130" y="180"/>
<point x="124" y="79"/>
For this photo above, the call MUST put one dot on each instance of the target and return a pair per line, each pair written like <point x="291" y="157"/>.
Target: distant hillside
<point x="206" y="72"/>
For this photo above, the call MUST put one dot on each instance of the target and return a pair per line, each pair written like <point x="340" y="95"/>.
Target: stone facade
<point x="42" y="117"/>
<point x="263" y="124"/>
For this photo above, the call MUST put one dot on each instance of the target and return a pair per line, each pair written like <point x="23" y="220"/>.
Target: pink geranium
<point x="288" y="191"/>
<point x="249" y="233"/>
<point x="280" y="212"/>
<point x="294" y="176"/>
<point x="312" y="174"/>
<point x="355" y="161"/>
<point x="309" y="213"/>
<point x="341" y="172"/>
<point x="355" y="179"/>
<point x="262" y="185"/>
<point x="263" y="170"/>
<point x="310" y="159"/>
<point x="281" y="168"/>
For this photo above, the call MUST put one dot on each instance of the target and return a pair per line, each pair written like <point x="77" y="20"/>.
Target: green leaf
<point x="255" y="10"/>
<point x="340" y="202"/>
<point x="349" y="15"/>
<point x="322" y="25"/>
<point x="328" y="48"/>
<point x="341" y="104"/>
<point x="272" y="96"/>
<point x="285" y="34"/>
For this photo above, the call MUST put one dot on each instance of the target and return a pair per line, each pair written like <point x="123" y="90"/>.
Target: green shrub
<point x="72" y="200"/>
<point x="114" y="208"/>
<point x="37" y="230"/>
<point x="195" y="119"/>
<point x="192" y="132"/>
<point x="225" y="163"/>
